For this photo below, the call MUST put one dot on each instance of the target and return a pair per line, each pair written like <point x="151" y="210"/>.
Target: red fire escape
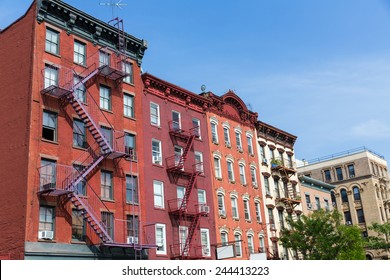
<point x="61" y="180"/>
<point x="185" y="212"/>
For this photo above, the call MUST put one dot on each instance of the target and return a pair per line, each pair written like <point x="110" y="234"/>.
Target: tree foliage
<point x="321" y="236"/>
<point x="382" y="241"/>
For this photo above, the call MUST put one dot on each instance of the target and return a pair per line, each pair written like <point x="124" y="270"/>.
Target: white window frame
<point x="217" y="167"/>
<point x="80" y="53"/>
<point x="214" y="132"/>
<point x="247" y="210"/>
<point x="253" y="172"/>
<point x="196" y="128"/>
<point x="161" y="241"/>
<point x="52" y="41"/>
<point x="176" y="123"/>
<point x="224" y="238"/>
<point x="127" y="67"/>
<point x="226" y="136"/>
<point x="238" y="243"/>
<point x="158" y="194"/>
<point x="221" y="207"/>
<point x="154" y="118"/>
<point x="199" y="161"/>
<point x="156" y="154"/>
<point x="249" y="139"/>
<point x="104" y="58"/>
<point x="183" y="235"/>
<point x="241" y="169"/>
<point x="202" y="194"/>
<point x="234" y="203"/>
<point x="128" y="105"/>
<point x="51" y="76"/>
<point x="239" y="140"/>
<point x="230" y="165"/>
<point x="251" y="244"/>
<point x="258" y="212"/>
<point x="105" y="98"/>
<point x="205" y="242"/>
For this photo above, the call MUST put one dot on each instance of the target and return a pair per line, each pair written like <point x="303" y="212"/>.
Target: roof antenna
<point x="118" y="4"/>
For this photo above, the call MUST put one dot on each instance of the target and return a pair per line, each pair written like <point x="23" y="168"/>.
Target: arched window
<point x="356" y="193"/>
<point x="344" y="195"/>
<point x="237" y="239"/>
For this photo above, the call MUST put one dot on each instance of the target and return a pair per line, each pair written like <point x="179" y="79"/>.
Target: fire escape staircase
<point x="93" y="157"/>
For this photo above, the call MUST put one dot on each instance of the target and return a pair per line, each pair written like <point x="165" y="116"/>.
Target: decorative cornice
<point x="87" y="27"/>
<point x="276" y="135"/>
<point x="173" y="93"/>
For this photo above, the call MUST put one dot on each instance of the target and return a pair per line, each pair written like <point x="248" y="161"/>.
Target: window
<point x="47" y="174"/>
<point x="105" y="98"/>
<point x="276" y="185"/>
<point x="272" y="152"/>
<point x="250" y="146"/>
<point x="52" y="41"/>
<point x="205" y="241"/>
<point x="226" y="136"/>
<point x="104" y="58"/>
<point x="356" y="193"/>
<point x="238" y="141"/>
<point x="108" y="222"/>
<point x="156" y="152"/>
<point x="78" y="226"/>
<point x="360" y="216"/>
<point x="247" y="212"/>
<point x="106" y="185"/>
<point x="80" y="92"/>
<point x="238" y="249"/>
<point x="131" y="189"/>
<point x="230" y="170"/>
<point x="81" y="186"/>
<point x="183" y="235"/>
<point x="327" y="208"/>
<point x="308" y="202"/>
<point x="46" y="218"/>
<point x="253" y="176"/>
<point x="251" y="245"/>
<point x="79" y="56"/>
<point x="262" y="246"/>
<point x="344" y="196"/>
<point x="224" y="238"/>
<point x="51" y="76"/>
<point x="271" y="218"/>
<point x="133" y="227"/>
<point x="176" y="121"/>
<point x="221" y="205"/>
<point x="217" y="168"/>
<point x="327" y="174"/>
<point x="339" y="173"/>
<point x="351" y="171"/>
<point x="262" y="154"/>
<point x="127" y="67"/>
<point x="281" y="218"/>
<point x="107" y="134"/>
<point x="178" y="152"/>
<point x="158" y="190"/>
<point x="201" y="197"/>
<point x="49" y="126"/>
<point x="214" y="133"/>
<point x="258" y="211"/>
<point x="234" y="207"/>
<point x="130" y="145"/>
<point x="196" y="128"/>
<point x="154" y="114"/>
<point x="199" y="162"/>
<point x="79" y="134"/>
<point x="266" y="186"/>
<point x="241" y="169"/>
<point x="290" y="161"/>
<point x="128" y="105"/>
<point x="161" y="239"/>
<point x="348" y="218"/>
<point x="318" y="204"/>
<point x="180" y="192"/>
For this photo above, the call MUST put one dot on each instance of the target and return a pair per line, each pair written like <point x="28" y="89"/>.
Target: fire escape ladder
<point x="190" y="142"/>
<point x="189" y="188"/>
<point x="90" y="217"/>
<point x="191" y="231"/>
<point x="90" y="124"/>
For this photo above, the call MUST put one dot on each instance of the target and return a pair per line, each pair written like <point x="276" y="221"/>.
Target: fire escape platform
<point x="54" y="192"/>
<point x="109" y="72"/>
<point x="55" y="91"/>
<point x="127" y="245"/>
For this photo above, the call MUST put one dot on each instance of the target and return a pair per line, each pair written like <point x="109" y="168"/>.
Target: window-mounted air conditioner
<point x="46" y="234"/>
<point x="132" y="240"/>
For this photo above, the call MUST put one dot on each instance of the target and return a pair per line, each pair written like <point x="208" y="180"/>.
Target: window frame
<point x="162" y="251"/>
<point x="128" y="68"/>
<point x="50" y="42"/>
<point x="53" y="129"/>
<point x="128" y="106"/>
<point x="79" y="133"/>
<point x="158" y="195"/>
<point x="106" y="185"/>
<point x="156" y="154"/>
<point x="154" y="118"/>
<point x="79" y="53"/>
<point x="132" y="196"/>
<point x="105" y="98"/>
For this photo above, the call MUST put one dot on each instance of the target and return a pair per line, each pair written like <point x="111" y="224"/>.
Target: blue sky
<point x="317" y="69"/>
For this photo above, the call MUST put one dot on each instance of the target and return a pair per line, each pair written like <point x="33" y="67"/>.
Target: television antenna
<point x="113" y="5"/>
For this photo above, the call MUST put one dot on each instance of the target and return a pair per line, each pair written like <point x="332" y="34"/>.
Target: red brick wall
<point x="16" y="45"/>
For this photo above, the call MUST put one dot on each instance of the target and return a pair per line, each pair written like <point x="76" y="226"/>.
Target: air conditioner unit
<point x="239" y="148"/>
<point x="265" y="160"/>
<point x="206" y="251"/>
<point x="204" y="209"/>
<point x="222" y="213"/>
<point x="46" y="234"/>
<point x="157" y="159"/>
<point x="227" y="144"/>
<point x="309" y="206"/>
<point x="132" y="240"/>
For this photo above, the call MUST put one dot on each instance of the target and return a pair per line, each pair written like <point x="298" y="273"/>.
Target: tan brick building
<point x="362" y="193"/>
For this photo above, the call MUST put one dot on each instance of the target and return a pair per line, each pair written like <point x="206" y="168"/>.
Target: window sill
<point x="53" y="54"/>
<point x="218" y="178"/>
<point x="106" y="110"/>
<point x="79" y="148"/>
<point x="50" y="141"/>
<point x="47" y="240"/>
<point x="107" y="200"/>
<point x="129" y="118"/>
<point x="157" y="165"/>
<point x="79" y="64"/>
<point x="132" y="203"/>
<point x="156" y="126"/>
<point x="129" y="83"/>
<point x="159" y="208"/>
<point x="235" y="218"/>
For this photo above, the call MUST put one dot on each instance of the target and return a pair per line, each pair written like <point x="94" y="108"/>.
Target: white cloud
<point x="374" y="129"/>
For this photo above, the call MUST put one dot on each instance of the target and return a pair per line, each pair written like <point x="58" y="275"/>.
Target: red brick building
<point x="237" y="193"/>
<point x="177" y="185"/>
<point x="69" y="87"/>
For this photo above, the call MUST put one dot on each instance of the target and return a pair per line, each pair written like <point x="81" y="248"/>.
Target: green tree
<point x="382" y="241"/>
<point x="321" y="236"/>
